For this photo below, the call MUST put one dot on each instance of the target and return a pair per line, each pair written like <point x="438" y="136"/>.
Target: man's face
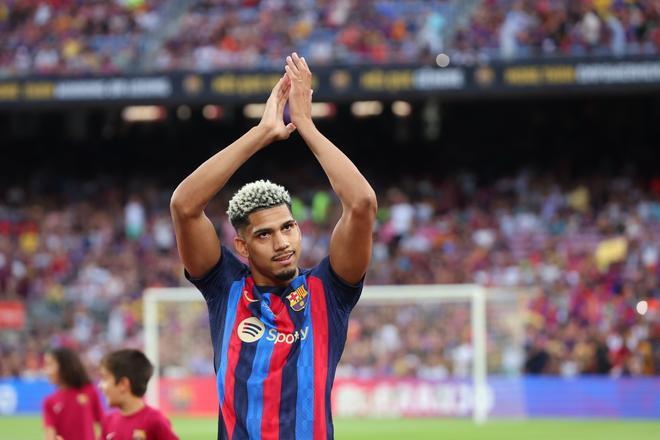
<point x="112" y="390"/>
<point x="271" y="243"/>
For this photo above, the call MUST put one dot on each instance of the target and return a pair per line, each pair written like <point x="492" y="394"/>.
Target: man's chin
<point x="286" y="275"/>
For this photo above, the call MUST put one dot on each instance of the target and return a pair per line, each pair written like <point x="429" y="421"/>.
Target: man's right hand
<point x="272" y="120"/>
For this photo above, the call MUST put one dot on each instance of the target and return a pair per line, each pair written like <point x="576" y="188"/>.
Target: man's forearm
<point x="195" y="191"/>
<point x="348" y="183"/>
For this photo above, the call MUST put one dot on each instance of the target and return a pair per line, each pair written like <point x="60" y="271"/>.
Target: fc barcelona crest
<point x="298" y="298"/>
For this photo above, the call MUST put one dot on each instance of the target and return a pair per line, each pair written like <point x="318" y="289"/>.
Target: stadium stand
<point x="506" y="29"/>
<point x="71" y="37"/>
<point x="259" y="34"/>
<point x="590" y="248"/>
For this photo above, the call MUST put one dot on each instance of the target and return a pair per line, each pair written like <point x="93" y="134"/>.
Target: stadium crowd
<point x="523" y="29"/>
<point x="584" y="252"/>
<point x="219" y="34"/>
<point x="75" y="37"/>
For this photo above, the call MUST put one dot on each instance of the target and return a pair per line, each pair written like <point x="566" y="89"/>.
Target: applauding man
<point x="278" y="330"/>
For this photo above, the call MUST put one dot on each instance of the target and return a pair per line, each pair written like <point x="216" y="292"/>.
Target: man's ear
<point x="241" y="246"/>
<point x="125" y="383"/>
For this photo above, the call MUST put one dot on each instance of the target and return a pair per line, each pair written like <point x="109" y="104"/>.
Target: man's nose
<point x="280" y="242"/>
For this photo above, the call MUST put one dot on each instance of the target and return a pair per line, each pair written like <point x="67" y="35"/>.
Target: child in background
<point x="124" y="377"/>
<point x="71" y="411"/>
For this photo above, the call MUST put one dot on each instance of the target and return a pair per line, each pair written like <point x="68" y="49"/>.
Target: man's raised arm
<point x="350" y="246"/>
<point x="197" y="241"/>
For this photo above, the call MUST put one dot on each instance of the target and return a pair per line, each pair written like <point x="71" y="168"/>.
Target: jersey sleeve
<point x="341" y="293"/>
<point x="49" y="414"/>
<point x="219" y="279"/>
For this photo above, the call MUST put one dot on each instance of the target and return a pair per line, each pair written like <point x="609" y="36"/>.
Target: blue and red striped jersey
<point x="276" y="349"/>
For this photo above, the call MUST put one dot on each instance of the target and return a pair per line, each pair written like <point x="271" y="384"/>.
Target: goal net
<point x="411" y="351"/>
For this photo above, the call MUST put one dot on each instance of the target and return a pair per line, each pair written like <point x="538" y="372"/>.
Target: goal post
<point x="472" y="295"/>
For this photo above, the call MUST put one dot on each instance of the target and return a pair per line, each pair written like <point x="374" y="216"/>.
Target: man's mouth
<point x="284" y="258"/>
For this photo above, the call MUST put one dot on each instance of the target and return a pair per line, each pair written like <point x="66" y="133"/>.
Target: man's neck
<point x="131" y="406"/>
<point x="260" y="280"/>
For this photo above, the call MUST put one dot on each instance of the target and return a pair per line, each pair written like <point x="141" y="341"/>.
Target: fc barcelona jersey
<point x="276" y="349"/>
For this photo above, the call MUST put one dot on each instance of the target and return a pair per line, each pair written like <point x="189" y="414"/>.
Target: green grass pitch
<point x="29" y="428"/>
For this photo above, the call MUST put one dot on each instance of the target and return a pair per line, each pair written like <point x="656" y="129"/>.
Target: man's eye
<point x="263" y="235"/>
